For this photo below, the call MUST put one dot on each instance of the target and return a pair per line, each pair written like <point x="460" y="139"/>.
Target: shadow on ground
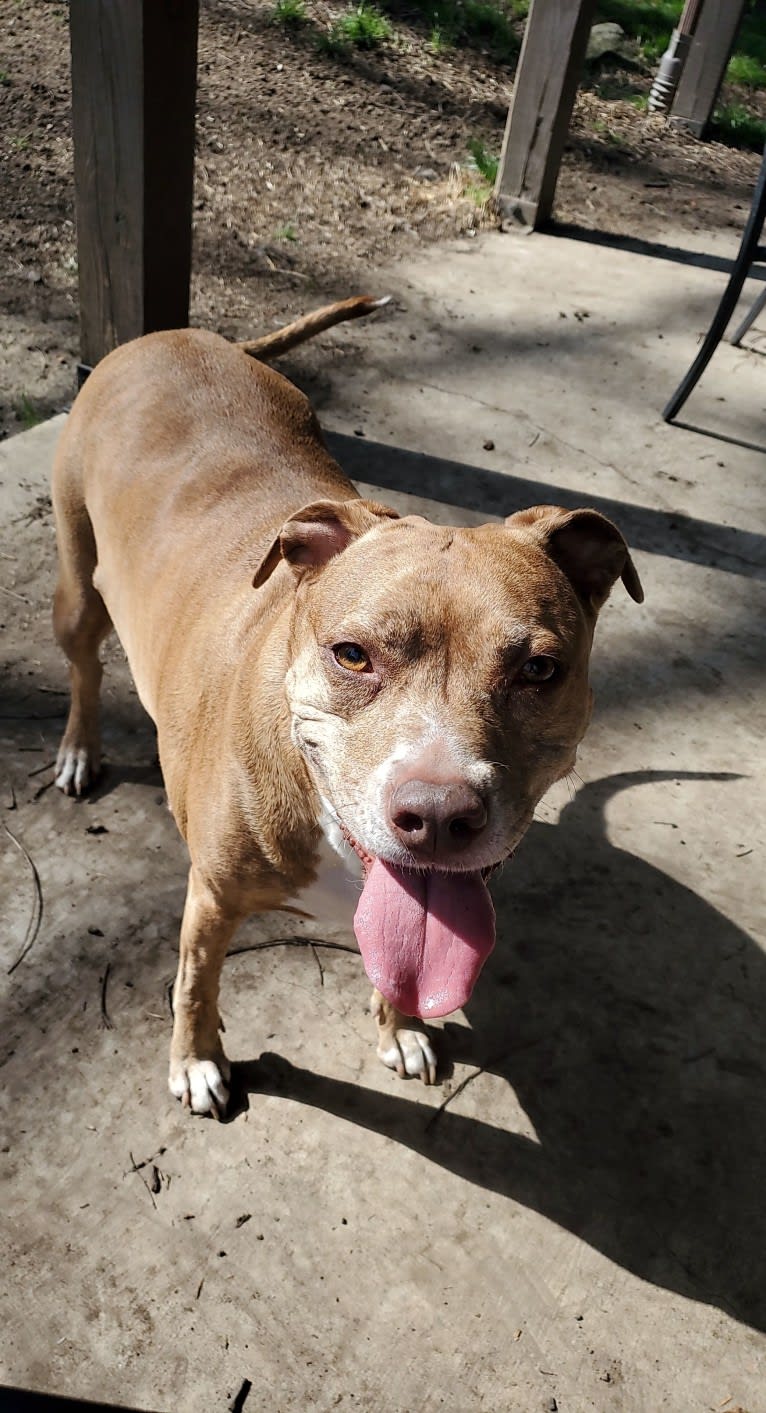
<point x="658" y="531"/>
<point x="627" y="1015"/>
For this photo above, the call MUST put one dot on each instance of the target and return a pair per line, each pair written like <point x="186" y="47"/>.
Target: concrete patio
<point x="574" y="1217"/>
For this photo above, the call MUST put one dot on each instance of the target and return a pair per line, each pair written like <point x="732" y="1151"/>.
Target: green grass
<point x="746" y="70"/>
<point x="5" y="79"/>
<point x="290" y="13"/>
<point x="438" y="41"/>
<point x="482" y="166"/>
<point x="479" y="22"/>
<point x="361" y="28"/>
<point x="286" y="232"/>
<point x="483" y="161"/>
<point x="736" y="125"/>
<point x="27" y="412"/>
<point x="609" y="135"/>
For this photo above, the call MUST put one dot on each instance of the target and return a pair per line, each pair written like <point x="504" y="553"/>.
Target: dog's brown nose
<point x="434" y="821"/>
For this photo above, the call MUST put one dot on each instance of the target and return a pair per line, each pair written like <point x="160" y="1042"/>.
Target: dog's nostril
<point x="409" y="823"/>
<point x="461" y="828"/>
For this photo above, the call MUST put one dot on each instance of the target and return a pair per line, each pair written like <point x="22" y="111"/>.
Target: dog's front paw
<point x="409" y="1052"/>
<point x="201" y="1085"/>
<point x="77" y="768"/>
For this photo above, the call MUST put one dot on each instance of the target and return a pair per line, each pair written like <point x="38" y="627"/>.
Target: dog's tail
<point x="272" y="345"/>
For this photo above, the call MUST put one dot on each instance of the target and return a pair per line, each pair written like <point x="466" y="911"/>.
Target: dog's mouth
<point x="424" y="934"/>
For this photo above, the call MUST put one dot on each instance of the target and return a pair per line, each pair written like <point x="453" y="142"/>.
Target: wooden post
<point x="706" y="64"/>
<point x="552" y="57"/>
<point x="134" y="75"/>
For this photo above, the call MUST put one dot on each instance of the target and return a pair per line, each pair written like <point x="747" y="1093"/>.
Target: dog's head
<point x="438" y="685"/>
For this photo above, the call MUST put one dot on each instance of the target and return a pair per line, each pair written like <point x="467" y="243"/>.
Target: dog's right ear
<point x="318" y="532"/>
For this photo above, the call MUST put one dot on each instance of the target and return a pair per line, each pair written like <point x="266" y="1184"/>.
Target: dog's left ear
<point x="586" y="546"/>
<point x="318" y="532"/>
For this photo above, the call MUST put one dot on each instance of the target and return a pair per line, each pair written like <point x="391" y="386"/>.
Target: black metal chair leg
<point x="748" y="252"/>
<point x="741" y="330"/>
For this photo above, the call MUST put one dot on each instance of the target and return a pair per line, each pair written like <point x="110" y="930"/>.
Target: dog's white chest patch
<point x="333" y="896"/>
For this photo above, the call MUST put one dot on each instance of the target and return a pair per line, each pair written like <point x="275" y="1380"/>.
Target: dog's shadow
<point x="628" y="1015"/>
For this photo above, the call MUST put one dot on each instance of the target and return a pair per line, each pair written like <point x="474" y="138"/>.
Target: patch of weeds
<point x="478" y="181"/>
<point x="639" y="101"/>
<point x="5" y="79"/>
<point x="746" y="70"/>
<point x="488" y="22"/>
<point x="736" y="125"/>
<point x="286" y="232"/>
<point x="609" y="135"/>
<point x="439" y="42"/>
<point x="27" y="413"/>
<point x="478" y="193"/>
<point x="751" y="40"/>
<point x="331" y="41"/>
<point x="290" y="13"/>
<point x="483" y="161"/>
<point x="363" y="27"/>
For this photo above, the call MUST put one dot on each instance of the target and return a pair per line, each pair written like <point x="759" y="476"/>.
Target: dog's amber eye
<point x="539" y="669"/>
<point x="352" y="657"/>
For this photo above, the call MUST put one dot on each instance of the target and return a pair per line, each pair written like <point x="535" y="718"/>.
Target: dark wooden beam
<point x="552" y="58"/>
<point x="134" y="71"/>
<point x="706" y="63"/>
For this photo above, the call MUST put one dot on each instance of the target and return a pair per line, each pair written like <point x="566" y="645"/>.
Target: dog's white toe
<point x="201" y="1085"/>
<point x="76" y="769"/>
<point x="410" y="1053"/>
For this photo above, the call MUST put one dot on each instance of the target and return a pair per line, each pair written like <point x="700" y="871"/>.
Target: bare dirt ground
<point x="311" y="169"/>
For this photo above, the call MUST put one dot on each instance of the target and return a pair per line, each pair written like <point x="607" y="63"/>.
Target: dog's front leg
<point x="403" y="1044"/>
<point x="199" y="1070"/>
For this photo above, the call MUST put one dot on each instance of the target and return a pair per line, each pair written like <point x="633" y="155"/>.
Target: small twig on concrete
<point x="315" y="955"/>
<point x="49" y="764"/>
<point x="136" y="1168"/>
<point x="238" y="1401"/>
<point x="13" y="595"/>
<point x="489" y="1065"/>
<point x="106" y="1021"/>
<point x="464" y="1083"/>
<point x="199" y="1288"/>
<point x="36" y="917"/>
<point x="13" y="805"/>
<point x="293" y="942"/>
<point x="42" y="788"/>
<point x="32" y="715"/>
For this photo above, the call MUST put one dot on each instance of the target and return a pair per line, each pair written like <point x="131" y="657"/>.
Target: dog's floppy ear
<point x="318" y="532"/>
<point x="586" y="546"/>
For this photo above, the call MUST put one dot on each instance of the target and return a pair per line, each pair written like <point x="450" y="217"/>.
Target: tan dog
<point x="328" y="681"/>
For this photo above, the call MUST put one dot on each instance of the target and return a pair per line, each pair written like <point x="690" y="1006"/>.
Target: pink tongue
<point x="424" y="937"/>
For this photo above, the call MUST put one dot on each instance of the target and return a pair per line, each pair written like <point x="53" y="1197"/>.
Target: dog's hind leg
<point x="80" y="622"/>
